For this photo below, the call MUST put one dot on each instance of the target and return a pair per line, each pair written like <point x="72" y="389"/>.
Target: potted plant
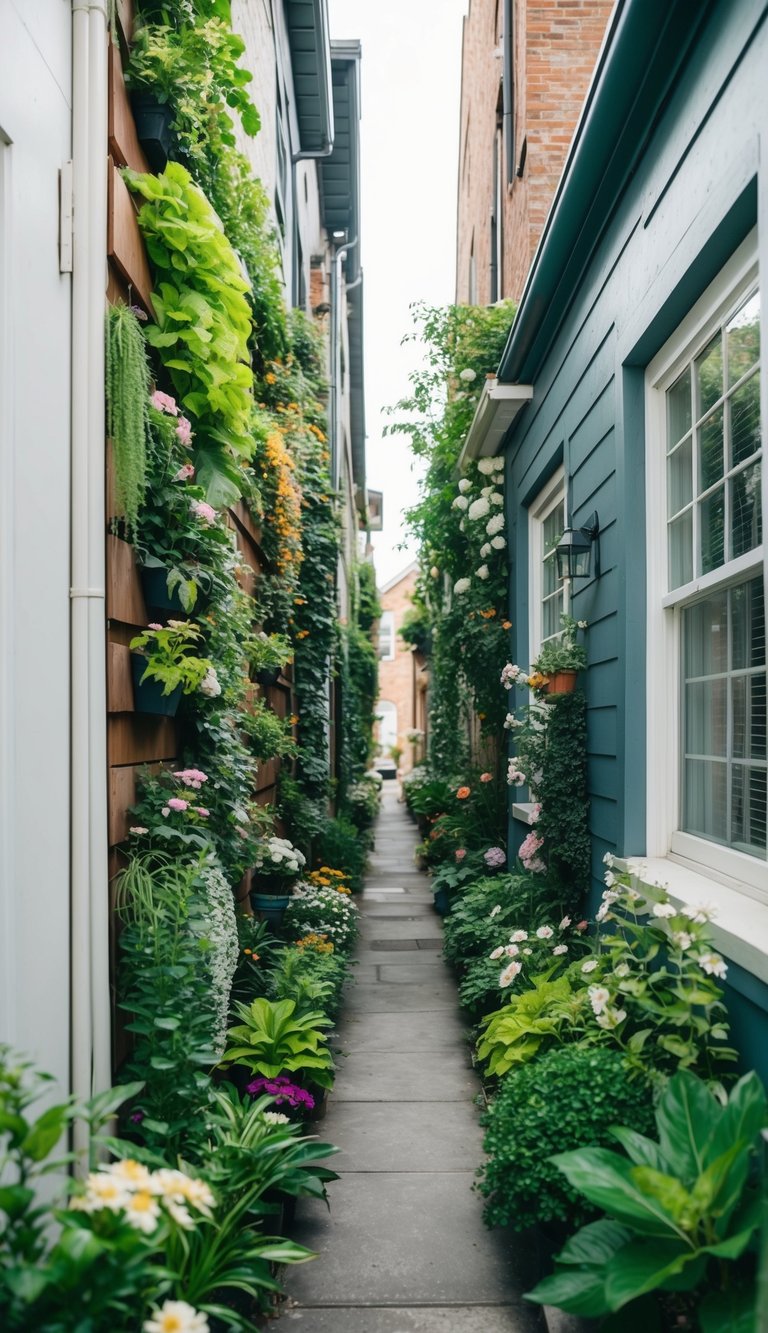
<point x="276" y="868"/>
<point x="267" y="655"/>
<point x="560" y="660"/>
<point x="165" y="665"/>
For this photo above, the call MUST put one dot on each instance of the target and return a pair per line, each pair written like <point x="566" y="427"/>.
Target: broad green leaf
<point x="686" y="1117"/>
<point x="577" y="1291"/>
<point x="596" y="1243"/>
<point x="673" y="1197"/>
<point x="641" y="1150"/>
<point x="744" y="1116"/>
<point x="733" y="1310"/>
<point x="643" y="1266"/>
<point x="14" y="1199"/>
<point x="45" y="1133"/>
<point x="606" y="1180"/>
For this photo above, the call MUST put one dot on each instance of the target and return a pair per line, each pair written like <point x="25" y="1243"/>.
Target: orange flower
<point x="270" y="378"/>
<point x="506" y="624"/>
<point x="463" y="793"/>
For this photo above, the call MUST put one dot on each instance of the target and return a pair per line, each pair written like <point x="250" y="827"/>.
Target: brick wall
<point x="396" y="678"/>
<point x="556" y="43"/>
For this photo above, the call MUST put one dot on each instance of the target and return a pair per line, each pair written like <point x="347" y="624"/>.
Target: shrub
<point x="471" y="932"/>
<point x="339" y="844"/>
<point x="320" y="911"/>
<point x="569" y="1098"/>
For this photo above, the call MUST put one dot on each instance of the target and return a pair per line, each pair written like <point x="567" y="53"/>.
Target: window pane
<point x="743" y="338"/>
<point x="550" y="616"/>
<point x="748" y="717"/>
<point x="746" y="511"/>
<point x="551" y="583"/>
<point x="744" y="407"/>
<point x="679" y="408"/>
<point x="709" y="376"/>
<point x="553" y="527"/>
<point x="679" y="477"/>
<point x="705" y="809"/>
<point x="706" y="718"/>
<point x="711" y="534"/>
<point x="706" y="637"/>
<point x="748" y="625"/>
<point x="711" y="450"/>
<point x="681" y="550"/>
<point x="748" y="810"/>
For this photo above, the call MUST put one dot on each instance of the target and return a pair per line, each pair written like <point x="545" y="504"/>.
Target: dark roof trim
<point x="310" y="43"/>
<point x="646" y="44"/>
<point x="357" y="389"/>
<point x="340" y="173"/>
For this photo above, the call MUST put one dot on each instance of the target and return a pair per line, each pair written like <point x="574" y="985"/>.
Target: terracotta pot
<point x="561" y="682"/>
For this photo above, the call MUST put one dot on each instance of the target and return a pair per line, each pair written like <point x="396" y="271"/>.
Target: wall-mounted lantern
<point x="573" y="553"/>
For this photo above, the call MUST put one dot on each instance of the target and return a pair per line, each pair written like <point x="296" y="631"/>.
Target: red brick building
<point x="401" y="704"/>
<point x="522" y="91"/>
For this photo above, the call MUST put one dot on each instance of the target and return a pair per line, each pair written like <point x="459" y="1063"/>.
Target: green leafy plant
<point x="563" y="652"/>
<point x="202" y="323"/>
<point x="569" y="1098"/>
<point x="339" y="844"/>
<point x="127" y="384"/>
<point x="547" y="1012"/>
<point x="313" y="980"/>
<point x="681" y="1214"/>
<point x="273" y="1037"/>
<point x="315" y="909"/>
<point x="267" y="652"/>
<point x="171" y="659"/>
<point x="268" y="734"/>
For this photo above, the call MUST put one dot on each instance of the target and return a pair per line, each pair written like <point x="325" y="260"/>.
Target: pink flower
<point x="185" y="473"/>
<point x="138" y="828"/>
<point x="164" y="403"/>
<point x="203" y="511"/>
<point x="514" y="777"/>
<point x="199" y="810"/>
<point x="165" y="812"/>
<point x="155" y="625"/>
<point x="191" y="777"/>
<point x="184" y="432"/>
<point x="582" y="926"/>
<point x="535" y="814"/>
<point x="529" y="853"/>
<point x="495" y="857"/>
<point x="176" y="803"/>
<point x="460" y="854"/>
<point x="486" y="777"/>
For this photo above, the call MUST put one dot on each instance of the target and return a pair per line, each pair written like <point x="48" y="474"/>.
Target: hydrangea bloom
<point x="184" y="432"/>
<point x="461" y="502"/>
<point x="205" y="512"/>
<point x="529" y="855"/>
<point x="479" y="508"/>
<point x="465" y="485"/>
<point x="468" y="374"/>
<point x="495" y="857"/>
<point x="496" y="498"/>
<point x="209" y="685"/>
<point x="498" y="543"/>
<point x="483" y="572"/>
<point x="494" y="524"/>
<point x="462" y="586"/>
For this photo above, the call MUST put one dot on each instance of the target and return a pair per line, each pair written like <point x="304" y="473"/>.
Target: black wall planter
<point x="148" y="695"/>
<point x="154" y="584"/>
<point x="153" y="126"/>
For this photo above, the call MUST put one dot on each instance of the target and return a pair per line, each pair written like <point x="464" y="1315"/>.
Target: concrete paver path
<point x="404" y="1248"/>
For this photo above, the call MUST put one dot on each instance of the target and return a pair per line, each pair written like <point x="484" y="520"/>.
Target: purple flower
<point x="282" y="1090"/>
<point x="495" y="857"/>
<point x="137" y="1117"/>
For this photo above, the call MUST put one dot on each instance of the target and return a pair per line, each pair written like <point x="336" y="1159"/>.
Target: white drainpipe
<point x="90" y="1012"/>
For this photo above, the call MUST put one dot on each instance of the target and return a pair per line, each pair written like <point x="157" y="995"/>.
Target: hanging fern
<point x="128" y="383"/>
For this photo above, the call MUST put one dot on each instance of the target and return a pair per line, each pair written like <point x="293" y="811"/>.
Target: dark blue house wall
<point x="695" y="194"/>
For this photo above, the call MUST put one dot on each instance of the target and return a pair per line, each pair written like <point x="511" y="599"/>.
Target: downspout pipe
<point x="507" y="94"/>
<point x="89" y="940"/>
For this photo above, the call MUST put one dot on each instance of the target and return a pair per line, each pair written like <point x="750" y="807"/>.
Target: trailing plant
<point x="563" y="652"/>
<point x="358" y="667"/>
<point x="368" y="605"/>
<point x="127" y="384"/>
<point x="273" y="1036"/>
<point x="570" y="1098"/>
<point x="268" y="735"/>
<point x="682" y="1214"/>
<point x="202" y="323"/>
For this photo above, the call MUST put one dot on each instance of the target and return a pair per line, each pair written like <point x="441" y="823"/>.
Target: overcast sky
<point x="410" y="81"/>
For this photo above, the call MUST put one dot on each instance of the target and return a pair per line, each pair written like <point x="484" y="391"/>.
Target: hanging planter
<point x="269" y="907"/>
<point x="268" y="676"/>
<point x="148" y="695"/>
<point x="153" y="127"/>
<point x="561" y="682"/>
<point x="154" y="583"/>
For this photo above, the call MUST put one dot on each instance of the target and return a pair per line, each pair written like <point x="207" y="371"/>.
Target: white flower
<point x="275" y="1118"/>
<point x="434" y="572"/>
<point x="621" y="970"/>
<point x="487" y="490"/>
<point x="479" y="508"/>
<point x="103" y="1191"/>
<point x="497" y="953"/>
<point x="611" y="1018"/>
<point x="461" y="586"/>
<point x="609" y="896"/>
<point x="582" y="624"/>
<point x="176" y="1317"/>
<point x="566" y="921"/>
<point x="607" y="859"/>
<point x="483" y="572"/>
<point x="664" y="910"/>
<point x="485" y="550"/>
<point x="560" y="948"/>
<point x="510" y="722"/>
<point x="682" y="939"/>
<point x="511" y="950"/>
<point x="142" y="1211"/>
<point x="461" y="502"/>
<point x="712" y="964"/>
<point x="131" y="1175"/>
<point x="518" y="936"/>
<point x="494" y="524"/>
<point x="465" y="485"/>
<point x="498" y="543"/>
<point x="528" y="952"/>
<point x="609" y="878"/>
<point x="489" y="465"/>
<point x="495" y="910"/>
<point x="497" y="463"/>
<point x="590" y="965"/>
<point x="544" y="933"/>
<point x="599" y="997"/>
<point x="700" y="912"/>
<point x="496" y="498"/>
<point x="468" y="374"/>
<point x="602" y="911"/>
<point x="510" y="972"/>
<point x="209" y="685"/>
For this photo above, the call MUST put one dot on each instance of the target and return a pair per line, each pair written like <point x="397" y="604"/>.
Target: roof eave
<point x="314" y="106"/>
<point x="498" y="406"/>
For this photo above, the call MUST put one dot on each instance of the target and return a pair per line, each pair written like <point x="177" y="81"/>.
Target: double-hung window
<point x="707" y="772"/>
<point x="548" y="595"/>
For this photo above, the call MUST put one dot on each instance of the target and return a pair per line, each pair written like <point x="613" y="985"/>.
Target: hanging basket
<point x="561" y="682"/>
<point x="269" y="907"/>
<point x="153" y="127"/>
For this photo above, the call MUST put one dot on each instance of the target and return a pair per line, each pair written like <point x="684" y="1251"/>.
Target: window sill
<point x="523" y="810"/>
<point x="740" y="928"/>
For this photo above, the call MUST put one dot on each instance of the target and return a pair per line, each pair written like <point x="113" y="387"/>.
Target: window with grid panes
<point x="714" y="518"/>
<point x="552" y="590"/>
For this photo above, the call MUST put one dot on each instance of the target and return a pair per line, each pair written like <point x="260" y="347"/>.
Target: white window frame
<point x="548" y="498"/>
<point x="387" y="625"/>
<point x="664" y="839"/>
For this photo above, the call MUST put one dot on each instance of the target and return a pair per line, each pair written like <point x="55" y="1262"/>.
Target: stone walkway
<point x="404" y="1248"/>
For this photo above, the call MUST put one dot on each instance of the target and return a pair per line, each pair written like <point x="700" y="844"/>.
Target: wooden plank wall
<point x="136" y="740"/>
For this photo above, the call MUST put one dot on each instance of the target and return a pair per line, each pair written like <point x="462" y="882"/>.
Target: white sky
<point x="410" y="81"/>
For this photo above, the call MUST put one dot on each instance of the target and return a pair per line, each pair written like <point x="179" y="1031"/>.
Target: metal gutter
<point x="497" y="408"/>
<point x="646" y="43"/>
<point x="321" y="144"/>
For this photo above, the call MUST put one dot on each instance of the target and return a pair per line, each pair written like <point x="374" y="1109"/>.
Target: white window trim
<point x="548" y="498"/>
<point x="390" y="655"/>
<point x="708" y="862"/>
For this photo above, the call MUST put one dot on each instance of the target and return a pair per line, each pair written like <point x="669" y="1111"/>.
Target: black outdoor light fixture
<point x="573" y="552"/>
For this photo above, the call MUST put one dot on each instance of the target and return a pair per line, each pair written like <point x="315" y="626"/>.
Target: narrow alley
<point x="404" y="1248"/>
